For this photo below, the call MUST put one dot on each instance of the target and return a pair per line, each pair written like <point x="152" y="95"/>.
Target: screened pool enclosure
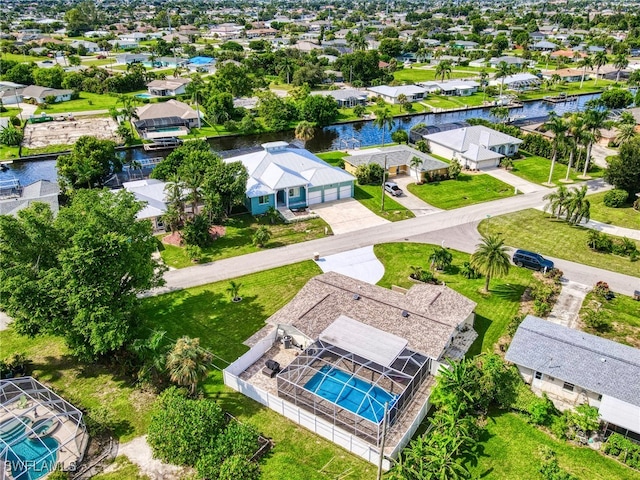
<point x="351" y="391"/>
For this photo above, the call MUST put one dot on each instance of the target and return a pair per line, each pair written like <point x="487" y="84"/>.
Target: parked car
<point x="535" y="261"/>
<point x="393" y="188"/>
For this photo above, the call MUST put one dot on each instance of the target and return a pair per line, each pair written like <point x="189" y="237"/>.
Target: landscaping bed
<point x="619" y="318"/>
<point x="556" y="238"/>
<point x="625" y="217"/>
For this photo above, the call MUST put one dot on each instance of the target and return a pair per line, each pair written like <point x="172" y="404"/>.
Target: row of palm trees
<point x="572" y="204"/>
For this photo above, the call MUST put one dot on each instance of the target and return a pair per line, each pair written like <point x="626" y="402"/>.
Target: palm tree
<point x="233" y="290"/>
<point x="152" y="353"/>
<point x="383" y="120"/>
<point x="358" y="42"/>
<point x="187" y="363"/>
<point x="558" y="127"/>
<point x="594" y="119"/>
<point x="557" y="201"/>
<point x="305" y="131"/>
<point x="503" y="70"/>
<point x="440" y="258"/>
<point x="578" y="206"/>
<point x="599" y="61"/>
<point x="620" y="61"/>
<point x="626" y="133"/>
<point x="586" y="62"/>
<point x="501" y="113"/>
<point x="285" y="67"/>
<point x="415" y="163"/>
<point x="444" y="69"/>
<point x="491" y="258"/>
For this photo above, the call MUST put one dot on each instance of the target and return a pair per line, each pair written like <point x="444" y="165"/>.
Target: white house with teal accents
<point x="282" y="176"/>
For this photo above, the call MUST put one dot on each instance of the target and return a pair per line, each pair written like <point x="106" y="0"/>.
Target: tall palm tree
<point x="626" y="133"/>
<point x="415" y="163"/>
<point x="558" y="127"/>
<point x="620" y="62"/>
<point x="444" y="69"/>
<point x="599" y="61"/>
<point x="503" y="70"/>
<point x="557" y="201"/>
<point x="586" y="62"/>
<point x="501" y="113"/>
<point x="305" y="131"/>
<point x="575" y="129"/>
<point x="383" y="120"/>
<point x="578" y="206"/>
<point x="358" y="41"/>
<point x="594" y="120"/>
<point x="491" y="258"/>
<point x="187" y="363"/>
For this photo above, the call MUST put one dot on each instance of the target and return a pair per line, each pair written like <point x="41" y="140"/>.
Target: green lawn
<point x="99" y="62"/>
<point x="371" y="197"/>
<point x="8" y="153"/>
<point x="510" y="451"/>
<point x="494" y="310"/>
<point x="448" y="101"/>
<point x="624" y="314"/>
<point x="534" y="230"/>
<point x="11" y="112"/>
<point x="622" y="217"/>
<point x="238" y="239"/>
<point x="16" y="57"/>
<point x="535" y="169"/>
<point x="589" y="86"/>
<point x="333" y="157"/>
<point x="122" y="469"/>
<point x="466" y="190"/>
<point x="87" y="101"/>
<point x="415" y="75"/>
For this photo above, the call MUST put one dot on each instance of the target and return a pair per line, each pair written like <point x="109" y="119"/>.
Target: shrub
<point x="615" y="198"/>
<point x="15" y="121"/>
<point x="624" y="449"/>
<point x="601" y="289"/>
<point x="196" y="232"/>
<point x="237" y="440"/>
<point x="423" y="146"/>
<point x="454" y="169"/>
<point x="597" y="320"/>
<point x="369" y="174"/>
<point x="599" y="242"/>
<point x="261" y="236"/>
<point x="231" y="125"/>
<point x="585" y="418"/>
<point x="513" y="325"/>
<point x="468" y="272"/>
<point x="539" y="410"/>
<point x="359" y="111"/>
<point x="624" y="247"/>
<point x="400" y="136"/>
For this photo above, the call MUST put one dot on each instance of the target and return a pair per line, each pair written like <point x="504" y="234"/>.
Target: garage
<point x="345" y="192"/>
<point x="330" y="194"/>
<point x="315" y="197"/>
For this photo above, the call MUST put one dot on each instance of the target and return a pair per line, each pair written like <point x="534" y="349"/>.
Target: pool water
<point x="168" y="129"/>
<point x="39" y="456"/>
<point x="144" y="95"/>
<point x="352" y="393"/>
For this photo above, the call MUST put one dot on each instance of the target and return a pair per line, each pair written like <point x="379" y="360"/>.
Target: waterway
<point x="332" y="137"/>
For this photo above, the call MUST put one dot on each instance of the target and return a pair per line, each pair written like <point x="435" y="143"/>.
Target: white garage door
<point x="315" y="197"/>
<point x="482" y="164"/>
<point x="345" y="192"/>
<point x="330" y="194"/>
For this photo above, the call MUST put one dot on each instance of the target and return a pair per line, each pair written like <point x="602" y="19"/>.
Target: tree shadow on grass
<point x="508" y="291"/>
<point x="481" y="324"/>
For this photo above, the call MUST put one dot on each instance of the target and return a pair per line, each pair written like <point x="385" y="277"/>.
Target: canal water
<point x="333" y="137"/>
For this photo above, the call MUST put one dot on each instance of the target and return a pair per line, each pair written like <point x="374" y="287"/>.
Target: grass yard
<point x="333" y="157"/>
<point x="99" y="62"/>
<point x="510" y="450"/>
<point x="87" y="101"/>
<point x="238" y="239"/>
<point x="122" y="469"/>
<point x="371" y="197"/>
<point x="466" y="190"/>
<point x="625" y="217"/>
<point x="494" y="310"/>
<point x="624" y="314"/>
<point x="11" y="112"/>
<point x="450" y="101"/>
<point x="556" y="238"/>
<point x="18" y="57"/>
<point x="8" y="153"/>
<point x="589" y="86"/>
<point x="415" y="75"/>
<point x="207" y="312"/>
<point x="535" y="169"/>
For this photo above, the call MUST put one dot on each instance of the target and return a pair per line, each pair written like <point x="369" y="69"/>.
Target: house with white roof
<point x="40" y="94"/>
<point x="281" y="176"/>
<point x="169" y="87"/>
<point x="461" y="88"/>
<point x="476" y="148"/>
<point x="518" y="81"/>
<point x="153" y="195"/>
<point x="573" y="368"/>
<point x="413" y="93"/>
<point x="91" y="47"/>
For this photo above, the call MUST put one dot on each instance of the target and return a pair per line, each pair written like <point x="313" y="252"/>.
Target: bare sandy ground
<point x="38" y="135"/>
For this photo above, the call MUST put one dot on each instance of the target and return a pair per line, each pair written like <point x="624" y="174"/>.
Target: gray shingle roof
<point x="461" y="139"/>
<point x="587" y="361"/>
<point x="434" y="310"/>
<point x="396" y="156"/>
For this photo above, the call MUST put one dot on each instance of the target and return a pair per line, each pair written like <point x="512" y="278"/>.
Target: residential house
<point x="476" y="148"/>
<point x="167" y="119"/>
<point x="397" y="159"/>
<point x="543" y="46"/>
<point x="169" y="87"/>
<point x="346" y="98"/>
<point x="569" y="75"/>
<point x="14" y="197"/>
<point x="10" y="92"/>
<point x="573" y="368"/>
<point x="176" y="37"/>
<point x="567" y="54"/>
<point x="128" y="58"/>
<point x="412" y="93"/>
<point x="461" y="88"/>
<point x="339" y="339"/>
<point x="201" y="64"/>
<point x="39" y="94"/>
<point x="465" y="44"/>
<point x="517" y="62"/>
<point x="91" y="47"/>
<point x="120" y="44"/>
<point x="518" y="81"/>
<point x="153" y="195"/>
<point x="281" y="176"/>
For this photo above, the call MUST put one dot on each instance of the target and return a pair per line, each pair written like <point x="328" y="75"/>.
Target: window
<point x="568" y="386"/>
<point x="294" y="192"/>
<point x="538" y="375"/>
<point x="263" y="200"/>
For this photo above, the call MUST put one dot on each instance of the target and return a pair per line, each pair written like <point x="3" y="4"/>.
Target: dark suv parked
<point x="523" y="258"/>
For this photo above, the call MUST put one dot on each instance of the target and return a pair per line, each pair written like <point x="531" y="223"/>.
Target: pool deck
<point x="253" y="375"/>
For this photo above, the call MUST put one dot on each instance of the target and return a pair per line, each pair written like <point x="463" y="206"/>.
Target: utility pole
<point x="384" y="435"/>
<point x="384" y="175"/>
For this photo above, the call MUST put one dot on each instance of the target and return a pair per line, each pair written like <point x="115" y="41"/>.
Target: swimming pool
<point x="143" y="95"/>
<point x="352" y="393"/>
<point x="29" y="459"/>
<point x="169" y="129"/>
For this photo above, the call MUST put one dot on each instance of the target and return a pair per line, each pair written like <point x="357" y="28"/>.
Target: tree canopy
<point x="89" y="164"/>
<point x="623" y="170"/>
<point x="78" y="275"/>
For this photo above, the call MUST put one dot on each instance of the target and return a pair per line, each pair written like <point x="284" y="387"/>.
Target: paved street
<point x="456" y="229"/>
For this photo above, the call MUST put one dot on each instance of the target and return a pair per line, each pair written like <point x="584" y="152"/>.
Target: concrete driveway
<point x="347" y="215"/>
<point x="515" y="181"/>
<point x="408" y="200"/>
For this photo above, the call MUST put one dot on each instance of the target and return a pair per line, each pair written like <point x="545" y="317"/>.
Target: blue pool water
<point x="143" y="95"/>
<point x="30" y="459"/>
<point x="352" y="393"/>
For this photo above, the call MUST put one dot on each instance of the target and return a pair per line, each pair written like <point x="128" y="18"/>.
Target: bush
<point x="468" y="272"/>
<point x="615" y="198"/>
<point x="601" y="289"/>
<point x="539" y="410"/>
<point x="454" y="169"/>
<point x="231" y="125"/>
<point x="597" y="320"/>
<point x="237" y="440"/>
<point x="370" y="174"/>
<point x="513" y="325"/>
<point x="15" y="121"/>
<point x="196" y="232"/>
<point x="600" y="242"/>
<point x="624" y="450"/>
<point x="624" y="247"/>
<point x="359" y="111"/>
<point x="261" y="236"/>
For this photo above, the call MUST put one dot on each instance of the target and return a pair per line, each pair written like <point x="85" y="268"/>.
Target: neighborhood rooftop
<point x="395" y="155"/>
<point x="587" y="361"/>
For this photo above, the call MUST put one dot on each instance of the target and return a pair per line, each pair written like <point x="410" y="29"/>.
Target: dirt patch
<point x="139" y="452"/>
<point x="175" y="238"/>
<point x="39" y="135"/>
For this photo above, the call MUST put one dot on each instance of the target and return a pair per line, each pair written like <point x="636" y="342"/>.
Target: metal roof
<point x="593" y="363"/>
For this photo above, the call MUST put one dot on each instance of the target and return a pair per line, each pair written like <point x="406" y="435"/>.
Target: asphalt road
<point x="457" y="229"/>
